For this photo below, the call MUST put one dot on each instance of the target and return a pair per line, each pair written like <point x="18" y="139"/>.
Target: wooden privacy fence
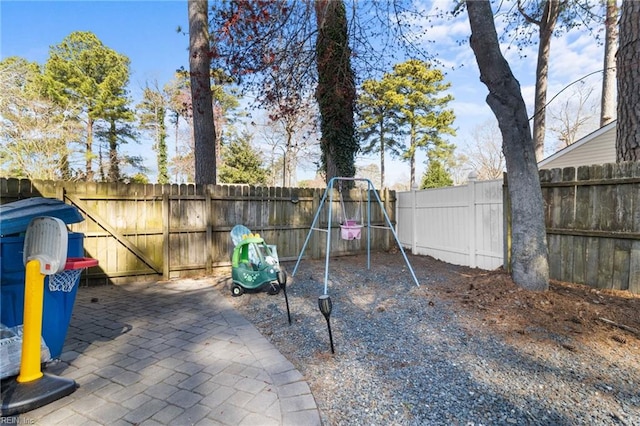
<point x="459" y="224"/>
<point x="593" y="224"/>
<point x="151" y="232"/>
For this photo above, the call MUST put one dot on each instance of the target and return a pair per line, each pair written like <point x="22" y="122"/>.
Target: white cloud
<point x="573" y="59"/>
<point x="434" y="26"/>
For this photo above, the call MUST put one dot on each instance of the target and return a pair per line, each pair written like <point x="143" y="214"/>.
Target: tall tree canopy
<point x="526" y="19"/>
<point x="407" y="102"/>
<point x="37" y="135"/>
<point x="530" y="267"/>
<point x="547" y="13"/>
<point x="286" y="47"/>
<point x="378" y="129"/>
<point x="152" y="112"/>
<point x="421" y="111"/>
<point x="81" y="70"/>
<point x="242" y="163"/>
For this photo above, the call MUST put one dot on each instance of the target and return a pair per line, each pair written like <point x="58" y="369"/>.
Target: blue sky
<point x="145" y="31"/>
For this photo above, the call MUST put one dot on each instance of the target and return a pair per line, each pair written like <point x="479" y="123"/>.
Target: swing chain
<point x="358" y="213"/>
<point x="344" y="211"/>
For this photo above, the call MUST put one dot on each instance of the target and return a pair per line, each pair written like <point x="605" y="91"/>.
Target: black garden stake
<point x="324" y="303"/>
<point x="282" y="280"/>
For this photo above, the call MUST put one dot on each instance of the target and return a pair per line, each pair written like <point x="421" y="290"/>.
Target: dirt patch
<point x="581" y="314"/>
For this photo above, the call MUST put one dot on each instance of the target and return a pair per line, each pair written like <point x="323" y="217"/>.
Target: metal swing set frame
<point x="328" y="193"/>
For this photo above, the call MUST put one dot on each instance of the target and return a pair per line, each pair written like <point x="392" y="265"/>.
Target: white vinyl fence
<point x="462" y="225"/>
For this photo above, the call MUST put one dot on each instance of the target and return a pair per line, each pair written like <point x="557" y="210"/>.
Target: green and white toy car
<point x="254" y="263"/>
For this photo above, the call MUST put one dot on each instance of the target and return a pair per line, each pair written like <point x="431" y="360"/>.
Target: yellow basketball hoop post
<point x="32" y="330"/>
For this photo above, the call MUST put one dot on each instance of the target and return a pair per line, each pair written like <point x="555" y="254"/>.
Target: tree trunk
<point x="628" y="125"/>
<point x="114" y="166"/>
<point x="89" y="150"/>
<point x="163" y="169"/>
<point x="285" y="156"/>
<point x="336" y="92"/>
<point x="608" y="100"/>
<point x="382" y="148"/>
<point x="530" y="268"/>
<point x="204" y="132"/>
<point x="412" y="157"/>
<point x="547" y="25"/>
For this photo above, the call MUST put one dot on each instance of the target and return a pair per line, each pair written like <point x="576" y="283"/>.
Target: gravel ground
<point x="464" y="348"/>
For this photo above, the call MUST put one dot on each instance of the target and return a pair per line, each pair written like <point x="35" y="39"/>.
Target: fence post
<point x="60" y="190"/>
<point x="506" y="211"/>
<point x="387" y="203"/>
<point x="315" y="241"/>
<point x="208" y="208"/>
<point x="471" y="186"/>
<point x="166" y="219"/>
<point x="414" y="216"/>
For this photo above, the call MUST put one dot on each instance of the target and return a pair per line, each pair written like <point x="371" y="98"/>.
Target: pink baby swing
<point x="350" y="228"/>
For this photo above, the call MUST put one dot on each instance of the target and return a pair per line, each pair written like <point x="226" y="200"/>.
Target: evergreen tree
<point x="84" y="72"/>
<point x="119" y="130"/>
<point x="36" y="135"/>
<point x="379" y="120"/>
<point x="241" y="163"/>
<point x="436" y="176"/>
<point x="152" y="112"/>
<point x="112" y="133"/>
<point x="422" y="112"/>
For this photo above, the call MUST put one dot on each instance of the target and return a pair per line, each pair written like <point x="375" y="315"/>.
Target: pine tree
<point x="379" y="120"/>
<point x="242" y="163"/>
<point x="37" y="134"/>
<point x="422" y="112"/>
<point x="152" y="112"/>
<point x="436" y="176"/>
<point x="82" y="71"/>
<point x="204" y="131"/>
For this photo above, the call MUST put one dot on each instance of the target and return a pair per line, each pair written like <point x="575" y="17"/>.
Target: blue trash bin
<point x="57" y="305"/>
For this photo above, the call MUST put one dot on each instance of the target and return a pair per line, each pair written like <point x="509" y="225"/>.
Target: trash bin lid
<point x="16" y="216"/>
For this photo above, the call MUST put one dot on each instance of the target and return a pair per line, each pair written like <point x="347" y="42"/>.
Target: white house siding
<point x="598" y="147"/>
